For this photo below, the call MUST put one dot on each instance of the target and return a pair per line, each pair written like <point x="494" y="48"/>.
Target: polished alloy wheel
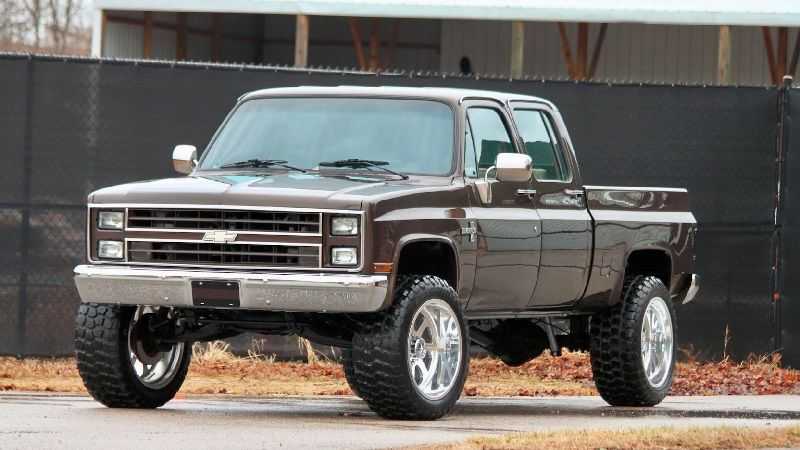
<point x="154" y="366"/>
<point x="657" y="342"/>
<point x="434" y="349"/>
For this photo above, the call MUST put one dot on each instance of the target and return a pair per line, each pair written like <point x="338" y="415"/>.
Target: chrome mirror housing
<point x="184" y="158"/>
<point x="514" y="167"/>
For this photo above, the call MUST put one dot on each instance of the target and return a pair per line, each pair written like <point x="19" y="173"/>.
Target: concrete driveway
<point x="61" y="421"/>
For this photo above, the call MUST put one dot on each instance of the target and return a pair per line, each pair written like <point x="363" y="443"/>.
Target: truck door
<point x="506" y="224"/>
<point x="561" y="203"/>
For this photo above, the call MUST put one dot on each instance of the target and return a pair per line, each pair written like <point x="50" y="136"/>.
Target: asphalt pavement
<point x="64" y="421"/>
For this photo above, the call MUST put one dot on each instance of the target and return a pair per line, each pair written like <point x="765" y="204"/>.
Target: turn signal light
<point x="382" y="267"/>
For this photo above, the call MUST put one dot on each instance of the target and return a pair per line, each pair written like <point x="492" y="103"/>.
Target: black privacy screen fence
<point x="70" y="126"/>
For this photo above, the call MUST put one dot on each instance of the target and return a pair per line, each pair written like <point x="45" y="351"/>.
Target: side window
<point x="541" y="145"/>
<point x="490" y="136"/>
<point x="470" y="159"/>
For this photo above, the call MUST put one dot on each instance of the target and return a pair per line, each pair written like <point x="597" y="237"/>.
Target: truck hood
<point x="292" y="190"/>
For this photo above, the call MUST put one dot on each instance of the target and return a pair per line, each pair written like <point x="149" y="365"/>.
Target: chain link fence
<point x="70" y="126"/>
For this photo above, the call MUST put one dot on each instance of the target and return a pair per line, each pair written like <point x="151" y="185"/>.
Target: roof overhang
<point x="674" y="12"/>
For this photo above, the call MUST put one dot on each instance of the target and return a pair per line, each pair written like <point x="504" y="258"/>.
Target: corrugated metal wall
<point x="632" y="52"/>
<point x="270" y="39"/>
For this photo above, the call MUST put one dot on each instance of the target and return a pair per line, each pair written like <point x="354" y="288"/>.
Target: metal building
<point x="744" y="42"/>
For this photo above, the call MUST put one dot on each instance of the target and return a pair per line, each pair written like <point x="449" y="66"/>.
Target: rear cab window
<point x="541" y="144"/>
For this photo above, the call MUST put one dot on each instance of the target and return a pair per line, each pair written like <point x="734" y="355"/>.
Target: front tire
<point x="411" y="361"/>
<point x="633" y="345"/>
<point x="121" y="366"/>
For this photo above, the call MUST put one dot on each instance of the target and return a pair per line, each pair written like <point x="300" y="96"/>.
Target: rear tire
<point x="109" y="367"/>
<point x="633" y="345"/>
<point x="397" y="354"/>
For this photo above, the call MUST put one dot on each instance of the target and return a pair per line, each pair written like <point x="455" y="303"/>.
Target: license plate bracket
<point x="215" y="293"/>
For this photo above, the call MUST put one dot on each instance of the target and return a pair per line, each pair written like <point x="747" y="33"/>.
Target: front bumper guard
<point x="291" y="292"/>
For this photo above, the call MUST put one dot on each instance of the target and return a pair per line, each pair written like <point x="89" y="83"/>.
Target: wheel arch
<point x="441" y="257"/>
<point x="646" y="259"/>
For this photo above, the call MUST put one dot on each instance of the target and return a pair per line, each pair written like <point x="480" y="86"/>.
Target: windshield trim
<point x="453" y="109"/>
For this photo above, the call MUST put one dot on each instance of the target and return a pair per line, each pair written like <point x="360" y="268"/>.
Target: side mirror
<point x="184" y="158"/>
<point x="514" y="167"/>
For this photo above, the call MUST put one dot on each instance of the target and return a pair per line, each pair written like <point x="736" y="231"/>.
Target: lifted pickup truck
<point x="402" y="225"/>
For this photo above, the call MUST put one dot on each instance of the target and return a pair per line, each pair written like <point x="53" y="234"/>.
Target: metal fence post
<point x="782" y="147"/>
<point x="24" y="242"/>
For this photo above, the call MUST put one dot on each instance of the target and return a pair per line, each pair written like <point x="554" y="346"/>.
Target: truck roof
<point x="450" y="95"/>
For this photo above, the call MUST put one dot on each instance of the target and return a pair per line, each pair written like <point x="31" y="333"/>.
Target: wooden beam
<point x="216" y="37"/>
<point x="374" y="46"/>
<point x="566" y="52"/>
<point x="795" y="54"/>
<point x="517" y="48"/>
<point x="783" y="47"/>
<point x="180" y="37"/>
<point x="724" y="55"/>
<point x="147" y="35"/>
<point x="598" y="48"/>
<point x="359" y="48"/>
<point x="767" y="33"/>
<point x="301" y="41"/>
<point x="583" y="50"/>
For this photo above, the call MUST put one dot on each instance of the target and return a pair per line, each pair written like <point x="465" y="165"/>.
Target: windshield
<point x="411" y="136"/>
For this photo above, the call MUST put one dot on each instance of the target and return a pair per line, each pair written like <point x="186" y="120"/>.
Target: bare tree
<point x="62" y="16"/>
<point x="35" y="16"/>
<point x="44" y="25"/>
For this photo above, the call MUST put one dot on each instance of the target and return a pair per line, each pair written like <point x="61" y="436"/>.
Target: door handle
<point x="574" y="192"/>
<point x="530" y="193"/>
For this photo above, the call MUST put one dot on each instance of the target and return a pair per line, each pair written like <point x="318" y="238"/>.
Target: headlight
<point x="344" y="226"/>
<point x="110" y="220"/>
<point x="344" y="256"/>
<point x="110" y="249"/>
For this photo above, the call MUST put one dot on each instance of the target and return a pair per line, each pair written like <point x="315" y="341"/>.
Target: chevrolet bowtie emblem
<point x="220" y="237"/>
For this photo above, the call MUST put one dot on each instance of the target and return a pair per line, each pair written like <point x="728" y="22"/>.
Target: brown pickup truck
<point x="402" y="225"/>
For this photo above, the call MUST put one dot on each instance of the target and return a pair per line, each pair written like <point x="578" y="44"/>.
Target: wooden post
<point x="180" y="37"/>
<point x="767" y="33"/>
<point x="583" y="50"/>
<point x="598" y="47"/>
<point x="301" y="41"/>
<point x="795" y="54"/>
<point x="374" y="46"/>
<point x="359" y="48"/>
<point x="783" y="46"/>
<point x="566" y="51"/>
<point x="724" y="55"/>
<point x="147" y="35"/>
<point x="517" y="48"/>
<point x="216" y="37"/>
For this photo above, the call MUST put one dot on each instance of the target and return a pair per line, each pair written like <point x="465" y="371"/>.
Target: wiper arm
<point x="356" y="163"/>
<point x="261" y="163"/>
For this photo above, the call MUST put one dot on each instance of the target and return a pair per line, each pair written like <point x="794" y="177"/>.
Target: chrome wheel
<point x="434" y="349"/>
<point x="153" y="365"/>
<point x="657" y="342"/>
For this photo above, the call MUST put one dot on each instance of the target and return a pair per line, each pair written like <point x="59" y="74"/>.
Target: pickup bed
<point x="403" y="225"/>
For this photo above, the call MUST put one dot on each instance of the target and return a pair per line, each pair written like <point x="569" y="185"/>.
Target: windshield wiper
<point x="261" y="163"/>
<point x="355" y="163"/>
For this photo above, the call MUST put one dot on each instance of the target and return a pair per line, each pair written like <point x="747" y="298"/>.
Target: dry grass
<point x="644" y="439"/>
<point x="215" y="370"/>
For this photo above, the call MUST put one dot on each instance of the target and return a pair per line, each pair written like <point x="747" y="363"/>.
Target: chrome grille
<point x="237" y="220"/>
<point x="201" y="253"/>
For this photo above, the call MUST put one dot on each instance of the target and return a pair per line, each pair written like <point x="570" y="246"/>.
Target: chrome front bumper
<point x="300" y="292"/>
